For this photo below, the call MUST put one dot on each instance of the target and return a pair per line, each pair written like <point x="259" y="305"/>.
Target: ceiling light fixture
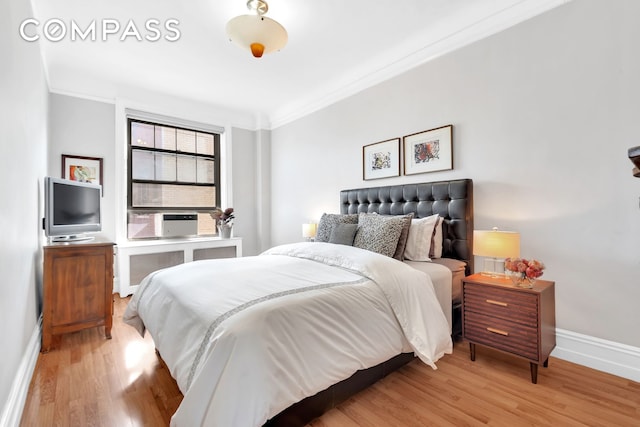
<point x="256" y="31"/>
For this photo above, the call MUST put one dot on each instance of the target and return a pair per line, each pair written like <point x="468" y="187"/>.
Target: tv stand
<point x="77" y="288"/>
<point x="72" y="238"/>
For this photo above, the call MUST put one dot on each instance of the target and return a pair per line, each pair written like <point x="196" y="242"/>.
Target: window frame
<point x="130" y="180"/>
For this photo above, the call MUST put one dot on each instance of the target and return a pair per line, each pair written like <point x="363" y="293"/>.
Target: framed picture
<point x="428" y="151"/>
<point x="381" y="160"/>
<point x="84" y="169"/>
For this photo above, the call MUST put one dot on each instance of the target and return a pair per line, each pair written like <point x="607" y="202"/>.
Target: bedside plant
<point x="224" y="219"/>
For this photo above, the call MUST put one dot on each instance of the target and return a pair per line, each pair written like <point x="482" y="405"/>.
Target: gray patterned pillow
<point x="328" y="221"/>
<point x="378" y="233"/>
<point x="343" y="234"/>
<point x="402" y="240"/>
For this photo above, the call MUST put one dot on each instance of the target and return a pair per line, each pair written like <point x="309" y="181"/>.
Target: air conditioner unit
<point x="179" y="225"/>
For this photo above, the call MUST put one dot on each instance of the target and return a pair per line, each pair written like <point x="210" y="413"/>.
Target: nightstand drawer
<point x="502" y="303"/>
<point x="501" y="334"/>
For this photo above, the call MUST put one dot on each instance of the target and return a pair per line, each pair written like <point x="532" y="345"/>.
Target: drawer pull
<point x="498" y="331"/>
<point x="500" y="303"/>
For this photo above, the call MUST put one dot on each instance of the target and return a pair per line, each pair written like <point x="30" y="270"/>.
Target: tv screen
<point x="72" y="209"/>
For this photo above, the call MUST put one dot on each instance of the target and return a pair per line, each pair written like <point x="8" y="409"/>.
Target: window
<point x="171" y="170"/>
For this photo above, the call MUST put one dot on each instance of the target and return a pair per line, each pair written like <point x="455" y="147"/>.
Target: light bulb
<point x="257" y="49"/>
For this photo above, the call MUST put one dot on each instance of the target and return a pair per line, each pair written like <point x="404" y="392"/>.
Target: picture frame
<point x="82" y="168"/>
<point x="428" y="151"/>
<point x="381" y="159"/>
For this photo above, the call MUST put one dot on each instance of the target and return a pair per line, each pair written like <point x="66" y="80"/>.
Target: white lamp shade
<point x="245" y="30"/>
<point x="496" y="244"/>
<point x="309" y="230"/>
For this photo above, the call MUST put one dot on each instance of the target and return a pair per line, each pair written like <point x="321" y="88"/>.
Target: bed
<point x="279" y="338"/>
<point x="451" y="200"/>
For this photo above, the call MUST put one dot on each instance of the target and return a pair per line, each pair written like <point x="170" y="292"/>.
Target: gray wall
<point x="83" y="127"/>
<point x="250" y="188"/>
<point x="23" y="162"/>
<point x="87" y="128"/>
<point x="543" y="115"/>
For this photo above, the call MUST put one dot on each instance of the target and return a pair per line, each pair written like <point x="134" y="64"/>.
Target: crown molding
<point x="390" y="67"/>
<point x="80" y="95"/>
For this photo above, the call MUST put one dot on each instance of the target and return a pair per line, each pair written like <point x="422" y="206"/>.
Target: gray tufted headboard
<point x="452" y="200"/>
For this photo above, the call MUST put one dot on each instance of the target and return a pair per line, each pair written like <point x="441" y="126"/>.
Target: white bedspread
<point x="247" y="337"/>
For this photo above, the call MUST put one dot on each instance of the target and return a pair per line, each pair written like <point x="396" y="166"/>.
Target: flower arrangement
<point x="529" y="269"/>
<point x="224" y="217"/>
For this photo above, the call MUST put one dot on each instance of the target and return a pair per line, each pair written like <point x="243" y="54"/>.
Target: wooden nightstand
<point x="77" y="287"/>
<point x="520" y="321"/>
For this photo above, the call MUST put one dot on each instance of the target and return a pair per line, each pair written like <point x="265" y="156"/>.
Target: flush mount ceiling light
<point x="256" y="31"/>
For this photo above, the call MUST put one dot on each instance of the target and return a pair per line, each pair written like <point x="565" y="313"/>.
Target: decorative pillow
<point x="436" y="240"/>
<point x="404" y="234"/>
<point x="419" y="240"/>
<point x="328" y="221"/>
<point x="378" y="233"/>
<point x="343" y="234"/>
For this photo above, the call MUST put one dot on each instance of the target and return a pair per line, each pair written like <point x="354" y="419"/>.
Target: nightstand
<point x="519" y="321"/>
<point x="77" y="288"/>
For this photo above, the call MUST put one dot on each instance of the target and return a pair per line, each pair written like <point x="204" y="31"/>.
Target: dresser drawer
<point x="501" y="334"/>
<point x="501" y="303"/>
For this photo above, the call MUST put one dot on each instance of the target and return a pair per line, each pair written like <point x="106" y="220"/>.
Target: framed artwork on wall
<point x="81" y="168"/>
<point x="381" y="159"/>
<point x="428" y="151"/>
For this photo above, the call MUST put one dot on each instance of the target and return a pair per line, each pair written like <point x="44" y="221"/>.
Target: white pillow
<point x="419" y="240"/>
<point x="436" y="241"/>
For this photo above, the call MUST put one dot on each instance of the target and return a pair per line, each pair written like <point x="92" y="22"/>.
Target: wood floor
<point x="90" y="381"/>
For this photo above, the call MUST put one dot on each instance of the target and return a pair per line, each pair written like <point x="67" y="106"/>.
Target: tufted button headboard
<point x="452" y="200"/>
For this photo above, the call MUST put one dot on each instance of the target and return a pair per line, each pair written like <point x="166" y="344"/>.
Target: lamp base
<point x="493" y="267"/>
<point x="493" y="275"/>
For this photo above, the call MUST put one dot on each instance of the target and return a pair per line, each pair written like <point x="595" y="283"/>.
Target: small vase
<point x="225" y="230"/>
<point x="520" y="279"/>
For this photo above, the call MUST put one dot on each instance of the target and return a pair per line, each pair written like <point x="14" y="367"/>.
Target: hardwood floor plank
<point x="334" y="418"/>
<point x="458" y="401"/>
<point x="358" y="411"/>
<point x="89" y="381"/>
<point x="403" y="391"/>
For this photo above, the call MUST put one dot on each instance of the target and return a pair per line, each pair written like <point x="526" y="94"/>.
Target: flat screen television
<point x="72" y="209"/>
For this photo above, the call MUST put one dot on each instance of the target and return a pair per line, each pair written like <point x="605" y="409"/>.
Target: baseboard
<point x="614" y="358"/>
<point x="12" y="411"/>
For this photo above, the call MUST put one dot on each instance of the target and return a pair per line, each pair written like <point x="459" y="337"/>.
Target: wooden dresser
<point x="77" y="287"/>
<point x="520" y="321"/>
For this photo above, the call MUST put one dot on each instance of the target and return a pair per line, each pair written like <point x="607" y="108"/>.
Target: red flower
<point x="531" y="268"/>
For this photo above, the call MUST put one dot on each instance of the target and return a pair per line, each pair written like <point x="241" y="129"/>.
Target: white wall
<point x="543" y="115"/>
<point x="23" y="154"/>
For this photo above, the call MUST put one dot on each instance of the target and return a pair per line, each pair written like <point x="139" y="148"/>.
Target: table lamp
<point x="495" y="246"/>
<point x="309" y="231"/>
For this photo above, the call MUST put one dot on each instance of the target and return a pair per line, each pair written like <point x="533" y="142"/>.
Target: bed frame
<point x="452" y="200"/>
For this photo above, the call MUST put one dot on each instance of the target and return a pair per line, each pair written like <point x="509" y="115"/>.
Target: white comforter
<point x="247" y="337"/>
